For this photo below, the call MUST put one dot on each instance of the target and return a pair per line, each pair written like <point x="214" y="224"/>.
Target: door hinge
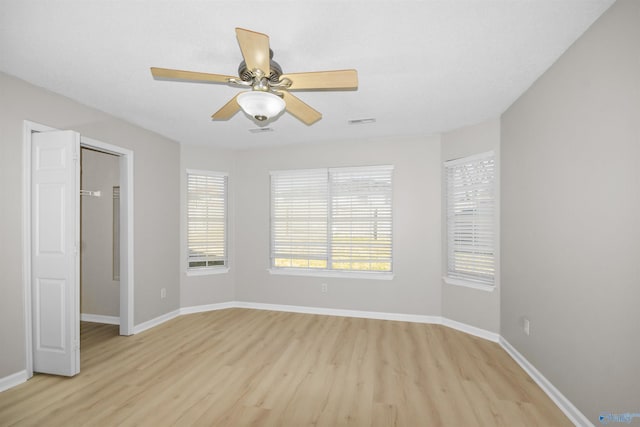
<point x="75" y="156"/>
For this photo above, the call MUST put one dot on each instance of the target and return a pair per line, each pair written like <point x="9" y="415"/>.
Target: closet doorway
<point x="99" y="237"/>
<point x="51" y="245"/>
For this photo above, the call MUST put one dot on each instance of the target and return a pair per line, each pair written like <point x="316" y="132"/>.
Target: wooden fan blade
<point x="255" y="49"/>
<point x="166" y="73"/>
<point x="300" y="110"/>
<point x="319" y="80"/>
<point x="228" y="110"/>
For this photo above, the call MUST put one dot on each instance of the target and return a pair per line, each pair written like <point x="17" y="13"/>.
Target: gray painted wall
<point x="570" y="218"/>
<point x="156" y="204"/>
<point x="415" y="288"/>
<point x="474" y="307"/>
<point x="100" y="294"/>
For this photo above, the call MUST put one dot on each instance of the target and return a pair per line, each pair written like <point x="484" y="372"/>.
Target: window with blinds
<point x="360" y="213"/>
<point x="299" y="219"/>
<point x="337" y="219"/>
<point x="471" y="218"/>
<point x="206" y="219"/>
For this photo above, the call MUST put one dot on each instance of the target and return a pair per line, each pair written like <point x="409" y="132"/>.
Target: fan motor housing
<point x="274" y="76"/>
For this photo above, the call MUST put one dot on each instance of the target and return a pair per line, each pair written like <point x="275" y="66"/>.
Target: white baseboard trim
<point x="207" y="307"/>
<point x="415" y="318"/>
<point x="155" y="322"/>
<point x="471" y="330"/>
<point x="554" y="394"/>
<point x="13" y="380"/>
<point x="400" y="317"/>
<point x="99" y="318"/>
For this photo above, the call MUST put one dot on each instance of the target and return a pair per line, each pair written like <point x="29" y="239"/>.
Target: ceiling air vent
<point x="362" y="121"/>
<point x="261" y="130"/>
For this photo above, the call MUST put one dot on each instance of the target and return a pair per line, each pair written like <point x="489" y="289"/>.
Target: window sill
<point x="206" y="271"/>
<point x="326" y="273"/>
<point x="468" y="284"/>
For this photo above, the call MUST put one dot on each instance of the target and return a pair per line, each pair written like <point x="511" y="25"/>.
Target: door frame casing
<point x="126" y="233"/>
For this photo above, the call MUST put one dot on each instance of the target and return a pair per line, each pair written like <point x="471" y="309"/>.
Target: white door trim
<point x="126" y="230"/>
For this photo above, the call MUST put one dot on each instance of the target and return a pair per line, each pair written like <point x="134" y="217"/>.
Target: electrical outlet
<point x="163" y="293"/>
<point x="526" y="326"/>
<point x="324" y="288"/>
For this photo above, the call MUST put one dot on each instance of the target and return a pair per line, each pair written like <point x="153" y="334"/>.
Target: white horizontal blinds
<point x="361" y="218"/>
<point x="471" y="218"/>
<point x="299" y="219"/>
<point x="207" y="219"/>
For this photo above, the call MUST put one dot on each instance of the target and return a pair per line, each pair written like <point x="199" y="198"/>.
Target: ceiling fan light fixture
<point x="269" y="95"/>
<point x="262" y="106"/>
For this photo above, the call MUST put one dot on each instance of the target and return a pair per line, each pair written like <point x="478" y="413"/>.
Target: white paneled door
<point x="55" y="234"/>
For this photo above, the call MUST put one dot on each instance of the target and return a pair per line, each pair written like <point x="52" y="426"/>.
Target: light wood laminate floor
<point x="240" y="367"/>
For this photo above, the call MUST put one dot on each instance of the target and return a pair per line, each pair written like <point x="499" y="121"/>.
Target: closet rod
<point x="90" y="193"/>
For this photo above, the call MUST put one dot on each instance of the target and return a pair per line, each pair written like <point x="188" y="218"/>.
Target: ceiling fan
<point x="270" y="88"/>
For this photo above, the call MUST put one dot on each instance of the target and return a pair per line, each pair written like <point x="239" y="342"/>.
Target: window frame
<point x="331" y="272"/>
<point x="209" y="269"/>
<point x="459" y="278"/>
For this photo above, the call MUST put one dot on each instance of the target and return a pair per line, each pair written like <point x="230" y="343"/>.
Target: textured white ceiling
<point x="424" y="66"/>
